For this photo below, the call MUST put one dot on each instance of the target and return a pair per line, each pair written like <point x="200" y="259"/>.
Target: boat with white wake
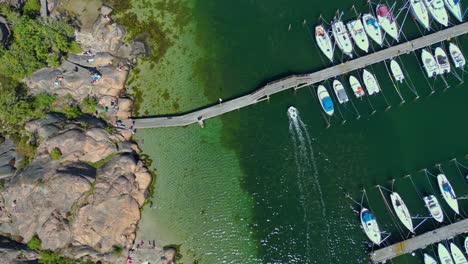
<point x="370" y="82"/>
<point x="396" y="71"/>
<point x="292" y="112"/>
<point x="434" y="208"/>
<point x="428" y="259"/>
<point x="340" y="92"/>
<point x="402" y="211"/>
<point x="356" y="87"/>
<point x="356" y="29"/>
<point x="454" y="7"/>
<point x="372" y="28"/>
<point x="387" y="21"/>
<point x="370" y="226"/>
<point x="444" y="255"/>
<point x="442" y="60"/>
<point x="325" y="100"/>
<point x="342" y="39"/>
<point x="324" y="42"/>
<point x="457" y="56"/>
<point x="447" y="192"/>
<point x="419" y="11"/>
<point x="437" y="10"/>
<point x="457" y="254"/>
<point x="429" y="63"/>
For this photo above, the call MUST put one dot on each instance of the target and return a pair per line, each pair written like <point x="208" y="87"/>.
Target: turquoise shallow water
<point x="255" y="186"/>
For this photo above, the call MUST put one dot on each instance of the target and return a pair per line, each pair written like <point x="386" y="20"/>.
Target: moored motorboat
<point x="325" y="100"/>
<point x="340" y="92"/>
<point x="370" y="82"/>
<point x="356" y="29"/>
<point x="356" y="87"/>
<point x="457" y="254"/>
<point x="442" y="60"/>
<point x="454" y="7"/>
<point x="419" y="11"/>
<point x="444" y="255"/>
<point x="466" y="245"/>
<point x="437" y="10"/>
<point x="401" y="211"/>
<point x="457" y="56"/>
<point x="447" y="192"/>
<point x="372" y="28"/>
<point x="387" y="21"/>
<point x="292" y="112"/>
<point x="342" y="38"/>
<point x="429" y="63"/>
<point x="434" y="208"/>
<point x="324" y="42"/>
<point x="396" y="71"/>
<point x="370" y="226"/>
<point x="428" y="259"/>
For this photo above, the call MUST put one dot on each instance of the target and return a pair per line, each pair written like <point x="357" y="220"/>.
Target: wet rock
<point x="131" y="50"/>
<point x="16" y="253"/>
<point x="7" y="158"/>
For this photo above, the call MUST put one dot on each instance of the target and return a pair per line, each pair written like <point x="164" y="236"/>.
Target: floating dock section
<point x="419" y="242"/>
<point x="298" y="81"/>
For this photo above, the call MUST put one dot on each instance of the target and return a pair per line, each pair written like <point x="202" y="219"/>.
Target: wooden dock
<point x="298" y="81"/>
<point x="419" y="242"/>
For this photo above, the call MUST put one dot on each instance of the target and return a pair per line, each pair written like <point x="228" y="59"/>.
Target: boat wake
<point x="307" y="172"/>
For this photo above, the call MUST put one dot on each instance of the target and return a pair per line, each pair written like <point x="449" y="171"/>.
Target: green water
<point x="254" y="187"/>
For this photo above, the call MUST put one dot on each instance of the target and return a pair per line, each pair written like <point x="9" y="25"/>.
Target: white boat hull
<point x="370" y="226"/>
<point x="401" y="211"/>
<point x="419" y="11"/>
<point x="434" y="208"/>
<point x="429" y="63"/>
<point x="457" y="254"/>
<point x="396" y="71"/>
<point x="442" y="60"/>
<point x="455" y="9"/>
<point x="372" y="28"/>
<point x="356" y="86"/>
<point x="356" y="29"/>
<point x="340" y="92"/>
<point x="444" y="255"/>
<point x="447" y="192"/>
<point x="428" y="259"/>
<point x="370" y="82"/>
<point x="342" y="39"/>
<point x="466" y="245"/>
<point x="325" y="100"/>
<point x="457" y="56"/>
<point x="437" y="10"/>
<point x="324" y="42"/>
<point x="388" y="24"/>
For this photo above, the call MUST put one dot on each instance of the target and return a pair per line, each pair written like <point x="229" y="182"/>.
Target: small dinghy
<point x="372" y="28"/>
<point x="387" y="21"/>
<point x="437" y="10"/>
<point x="428" y="259"/>
<point x="457" y="56"/>
<point x="430" y="64"/>
<point x="356" y="86"/>
<point x="356" y="29"/>
<point x="370" y="82"/>
<point x="434" y="208"/>
<point x="402" y="211"/>
<point x="396" y="71"/>
<point x="419" y="11"/>
<point x="457" y="254"/>
<point x="442" y="60"/>
<point x="454" y="7"/>
<point x="370" y="226"/>
<point x="292" y="112"/>
<point x="342" y="38"/>
<point x="325" y="100"/>
<point x="447" y="192"/>
<point x="340" y="92"/>
<point x="466" y="245"/>
<point x="324" y="42"/>
<point x="444" y="255"/>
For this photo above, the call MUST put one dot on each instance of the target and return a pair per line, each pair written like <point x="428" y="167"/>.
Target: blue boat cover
<point x="367" y="216"/>
<point x="371" y="21"/>
<point x="327" y="104"/>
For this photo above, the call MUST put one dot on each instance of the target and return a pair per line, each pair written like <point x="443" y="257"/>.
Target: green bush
<point x="50" y="257"/>
<point x="55" y="154"/>
<point x="70" y="112"/>
<point x="34" y="243"/>
<point x="117" y="250"/>
<point x="32" y="8"/>
<point x="88" y="105"/>
<point x="53" y="60"/>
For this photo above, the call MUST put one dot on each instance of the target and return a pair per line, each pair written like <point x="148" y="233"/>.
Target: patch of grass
<point x="24" y="148"/>
<point x="55" y="154"/>
<point x="88" y="105"/>
<point x="34" y="244"/>
<point x="32" y="8"/>
<point x="117" y="250"/>
<point x="70" y="112"/>
<point x="100" y="163"/>
<point x="109" y="129"/>
<point x="50" y="257"/>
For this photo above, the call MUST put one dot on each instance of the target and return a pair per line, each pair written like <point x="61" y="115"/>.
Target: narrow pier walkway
<point x="419" y="242"/>
<point x="298" y="81"/>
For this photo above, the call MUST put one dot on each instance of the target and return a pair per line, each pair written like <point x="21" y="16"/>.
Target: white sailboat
<point x="442" y="60"/>
<point x="325" y="100"/>
<point x="370" y="82"/>
<point x="340" y="92"/>
<point x="457" y="56"/>
<point x="447" y="192"/>
<point x="372" y="28"/>
<point x="356" y="29"/>
<point x="396" y="71"/>
<point x="437" y="10"/>
<point x="428" y="259"/>
<point x="370" y="226"/>
<point x="356" y="87"/>
<point x="387" y="21"/>
<point x="342" y="38"/>
<point x="402" y="211"/>
<point x="444" y="255"/>
<point x="434" y="208"/>
<point x="419" y="11"/>
<point x="454" y="7"/>
<point x="457" y="254"/>
<point x="430" y="64"/>
<point x="324" y="42"/>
